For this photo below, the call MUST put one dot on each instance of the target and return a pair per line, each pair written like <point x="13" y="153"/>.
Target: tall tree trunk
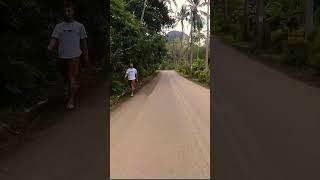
<point x="309" y="21"/>
<point x="246" y="19"/>
<point x="225" y="9"/>
<point x="198" y="52"/>
<point x="260" y="17"/>
<point x="191" y="44"/>
<point x="143" y="10"/>
<point x="181" y="40"/>
<point x="208" y="35"/>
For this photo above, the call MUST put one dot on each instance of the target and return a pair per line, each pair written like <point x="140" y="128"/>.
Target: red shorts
<point x="69" y="67"/>
<point x="132" y="83"/>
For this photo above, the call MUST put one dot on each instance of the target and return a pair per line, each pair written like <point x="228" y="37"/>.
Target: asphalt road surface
<point x="266" y="125"/>
<point x="162" y="132"/>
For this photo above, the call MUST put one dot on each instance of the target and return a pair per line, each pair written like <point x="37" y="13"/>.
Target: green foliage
<point x="296" y="53"/>
<point x="156" y="13"/>
<point x="198" y="71"/>
<point x="132" y="42"/>
<point x="279" y="38"/>
<point x="283" y="28"/>
<point x="314" y="49"/>
<point x="118" y="85"/>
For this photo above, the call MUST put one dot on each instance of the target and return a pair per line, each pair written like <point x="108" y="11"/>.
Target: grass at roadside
<point x="197" y="73"/>
<point x="195" y="80"/>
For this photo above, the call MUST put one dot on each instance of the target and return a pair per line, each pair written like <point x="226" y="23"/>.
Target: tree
<point x="309" y="21"/>
<point x="181" y="17"/>
<point x="196" y="22"/>
<point x="131" y="41"/>
<point x="170" y="3"/>
<point x="161" y="1"/>
<point x="260" y="21"/>
<point x="198" y="36"/>
<point x="144" y="9"/>
<point x="156" y="13"/>
<point x="246" y="19"/>
<point x="208" y="34"/>
<point x="226" y="8"/>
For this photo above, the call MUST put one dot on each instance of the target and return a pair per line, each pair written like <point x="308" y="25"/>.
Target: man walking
<point x="132" y="76"/>
<point x="70" y="37"/>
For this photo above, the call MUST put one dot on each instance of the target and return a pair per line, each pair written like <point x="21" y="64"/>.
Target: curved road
<point x="267" y="125"/>
<point x="162" y="132"/>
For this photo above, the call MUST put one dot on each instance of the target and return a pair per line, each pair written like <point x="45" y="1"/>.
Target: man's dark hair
<point x="69" y="4"/>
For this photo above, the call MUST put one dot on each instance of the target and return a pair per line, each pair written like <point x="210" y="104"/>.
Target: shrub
<point x="296" y="53"/>
<point x="279" y="38"/>
<point x="314" y="49"/>
<point x="204" y="77"/>
<point x="119" y="85"/>
<point x="236" y="31"/>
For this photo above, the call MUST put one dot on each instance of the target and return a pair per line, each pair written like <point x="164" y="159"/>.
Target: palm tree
<point x="197" y="39"/>
<point x="164" y="1"/>
<point x="207" y="15"/>
<point x="170" y="3"/>
<point x="208" y="33"/>
<point x="196" y="21"/>
<point x="143" y="10"/>
<point x="181" y="17"/>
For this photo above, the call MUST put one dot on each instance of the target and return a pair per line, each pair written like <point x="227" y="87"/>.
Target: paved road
<point x="266" y="125"/>
<point x="73" y="149"/>
<point x="162" y="132"/>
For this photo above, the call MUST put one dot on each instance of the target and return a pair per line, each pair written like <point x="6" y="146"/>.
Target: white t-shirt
<point x="131" y="73"/>
<point x="69" y="35"/>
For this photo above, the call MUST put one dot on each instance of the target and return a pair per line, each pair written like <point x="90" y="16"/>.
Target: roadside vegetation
<point x="287" y="31"/>
<point x="189" y="52"/>
<point x="135" y="40"/>
<point x="27" y="75"/>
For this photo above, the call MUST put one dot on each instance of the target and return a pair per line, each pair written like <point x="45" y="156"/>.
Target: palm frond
<point x="175" y="3"/>
<point x="191" y="2"/>
<point x="203" y="13"/>
<point x="203" y="4"/>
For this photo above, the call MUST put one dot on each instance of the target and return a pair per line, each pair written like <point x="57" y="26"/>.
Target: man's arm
<point x="84" y="48"/>
<point x="84" y="44"/>
<point x="54" y="39"/>
<point x="137" y="76"/>
<point x="52" y="44"/>
<point x="126" y="75"/>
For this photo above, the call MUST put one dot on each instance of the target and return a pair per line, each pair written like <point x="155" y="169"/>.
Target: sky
<point x="186" y="24"/>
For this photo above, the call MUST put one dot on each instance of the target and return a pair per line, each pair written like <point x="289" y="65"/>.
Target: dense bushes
<point x="198" y="73"/>
<point x="284" y="34"/>
<point x="132" y="42"/>
<point x="314" y="49"/>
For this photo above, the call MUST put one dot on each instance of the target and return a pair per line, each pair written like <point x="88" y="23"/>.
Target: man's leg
<point x="132" y="87"/>
<point x="63" y="69"/>
<point x="129" y="84"/>
<point x="73" y="70"/>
